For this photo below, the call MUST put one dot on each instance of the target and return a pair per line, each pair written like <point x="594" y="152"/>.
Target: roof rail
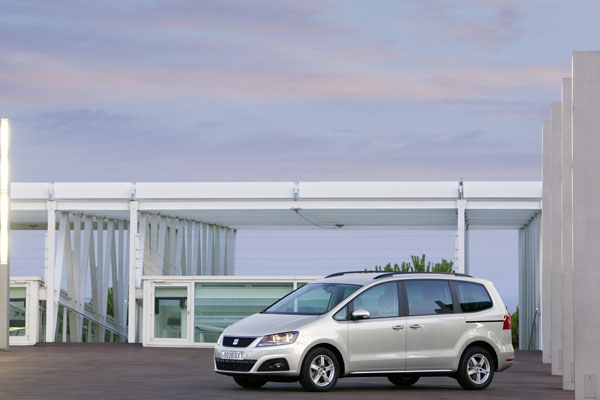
<point x="388" y="274"/>
<point x="348" y="272"/>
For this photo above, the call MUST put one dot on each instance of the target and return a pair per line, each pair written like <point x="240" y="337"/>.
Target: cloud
<point x="68" y="119"/>
<point x="486" y="24"/>
<point x="67" y="81"/>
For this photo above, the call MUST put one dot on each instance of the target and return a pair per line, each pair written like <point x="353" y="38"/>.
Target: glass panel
<point x="170" y="312"/>
<point x="218" y="305"/>
<point x="472" y="296"/>
<point x="380" y="301"/>
<point x="428" y="297"/>
<point x="313" y="299"/>
<point x="17" y="311"/>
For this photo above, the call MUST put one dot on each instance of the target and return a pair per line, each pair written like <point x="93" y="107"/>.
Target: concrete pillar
<point x="568" y="365"/>
<point x="555" y="252"/>
<point x="586" y="222"/>
<point x="546" y="310"/>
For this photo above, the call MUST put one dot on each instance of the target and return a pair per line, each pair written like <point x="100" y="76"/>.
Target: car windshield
<point x="313" y="299"/>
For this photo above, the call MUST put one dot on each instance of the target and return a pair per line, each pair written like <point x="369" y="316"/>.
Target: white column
<point x="152" y="266"/>
<point x="210" y="239"/>
<point x="173" y="268"/>
<point x="76" y="325"/>
<point x="568" y="365"/>
<point x="117" y="268"/>
<point x="49" y="276"/>
<point x="162" y="244"/>
<point x="546" y="310"/>
<point x="84" y="265"/>
<point x="205" y="267"/>
<point x="231" y="234"/>
<point x="586" y="222"/>
<point x="182" y="267"/>
<point x="101" y="289"/>
<point x="189" y="247"/>
<point x="133" y="251"/>
<point x="555" y="252"/>
<point x="461" y="237"/>
<point x="108" y="262"/>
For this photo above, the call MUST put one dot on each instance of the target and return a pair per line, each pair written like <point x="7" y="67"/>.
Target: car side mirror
<point x="361" y="313"/>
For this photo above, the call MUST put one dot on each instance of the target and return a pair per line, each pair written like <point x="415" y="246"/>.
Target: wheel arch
<point x="485" y="345"/>
<point x="334" y="349"/>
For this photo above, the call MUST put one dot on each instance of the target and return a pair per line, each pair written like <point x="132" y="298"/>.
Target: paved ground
<point x="121" y="371"/>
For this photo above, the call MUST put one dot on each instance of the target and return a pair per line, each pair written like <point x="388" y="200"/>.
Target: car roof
<point x="365" y="278"/>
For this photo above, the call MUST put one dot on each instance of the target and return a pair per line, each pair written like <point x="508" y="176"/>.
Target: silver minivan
<point x="398" y="325"/>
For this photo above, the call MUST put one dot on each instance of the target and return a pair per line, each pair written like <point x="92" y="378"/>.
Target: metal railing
<point x="95" y="321"/>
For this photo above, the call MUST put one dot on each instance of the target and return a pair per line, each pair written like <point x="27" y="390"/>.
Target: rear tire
<point x="403" y="380"/>
<point x="249" y="383"/>
<point x="320" y="370"/>
<point x="476" y="369"/>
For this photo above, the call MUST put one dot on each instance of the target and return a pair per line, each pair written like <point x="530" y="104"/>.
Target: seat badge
<point x="236" y="341"/>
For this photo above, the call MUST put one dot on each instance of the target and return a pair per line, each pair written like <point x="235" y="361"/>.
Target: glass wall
<point x="17" y="311"/>
<point x="170" y="312"/>
<point x="218" y="305"/>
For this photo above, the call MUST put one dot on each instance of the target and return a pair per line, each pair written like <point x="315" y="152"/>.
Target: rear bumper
<point x="505" y="360"/>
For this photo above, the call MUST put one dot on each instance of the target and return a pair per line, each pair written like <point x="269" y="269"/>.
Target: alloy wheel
<point x="322" y="370"/>
<point x="478" y="369"/>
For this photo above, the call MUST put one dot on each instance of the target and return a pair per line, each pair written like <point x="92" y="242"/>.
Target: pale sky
<point x="287" y="90"/>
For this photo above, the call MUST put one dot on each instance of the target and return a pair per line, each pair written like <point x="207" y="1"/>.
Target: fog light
<point x="274" y="365"/>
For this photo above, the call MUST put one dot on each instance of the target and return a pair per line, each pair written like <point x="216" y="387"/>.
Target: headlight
<point x="220" y="340"/>
<point x="278" y="338"/>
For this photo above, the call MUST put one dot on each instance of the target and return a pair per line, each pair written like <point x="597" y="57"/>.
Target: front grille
<point x="229" y="341"/>
<point x="234" y="365"/>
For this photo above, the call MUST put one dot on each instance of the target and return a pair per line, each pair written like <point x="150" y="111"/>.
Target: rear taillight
<point x="507" y="323"/>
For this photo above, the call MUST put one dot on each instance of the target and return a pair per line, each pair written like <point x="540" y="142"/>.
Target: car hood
<point x="266" y="324"/>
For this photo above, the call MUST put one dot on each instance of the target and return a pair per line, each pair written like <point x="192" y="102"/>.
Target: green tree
<point x="110" y="308"/>
<point x="418" y="264"/>
<point x="515" y="328"/>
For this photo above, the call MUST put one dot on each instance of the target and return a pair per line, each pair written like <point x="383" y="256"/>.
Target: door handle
<point x="398" y="327"/>
<point x="415" y="326"/>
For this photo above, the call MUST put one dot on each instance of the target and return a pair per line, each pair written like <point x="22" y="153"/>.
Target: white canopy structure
<point x="188" y="228"/>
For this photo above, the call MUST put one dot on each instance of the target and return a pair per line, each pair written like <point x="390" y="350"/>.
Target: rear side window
<point x="428" y="297"/>
<point x="472" y="296"/>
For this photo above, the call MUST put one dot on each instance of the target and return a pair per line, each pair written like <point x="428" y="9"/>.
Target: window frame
<point x="455" y="305"/>
<point x="472" y="283"/>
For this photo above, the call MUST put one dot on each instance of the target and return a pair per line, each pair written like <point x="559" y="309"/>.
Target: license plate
<point x="233" y="355"/>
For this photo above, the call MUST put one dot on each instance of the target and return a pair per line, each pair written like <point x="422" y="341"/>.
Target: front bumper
<point x="254" y="357"/>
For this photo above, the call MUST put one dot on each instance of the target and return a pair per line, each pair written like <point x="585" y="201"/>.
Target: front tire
<point x="320" y="370"/>
<point x="476" y="369"/>
<point x="249" y="383"/>
<point x="403" y="380"/>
